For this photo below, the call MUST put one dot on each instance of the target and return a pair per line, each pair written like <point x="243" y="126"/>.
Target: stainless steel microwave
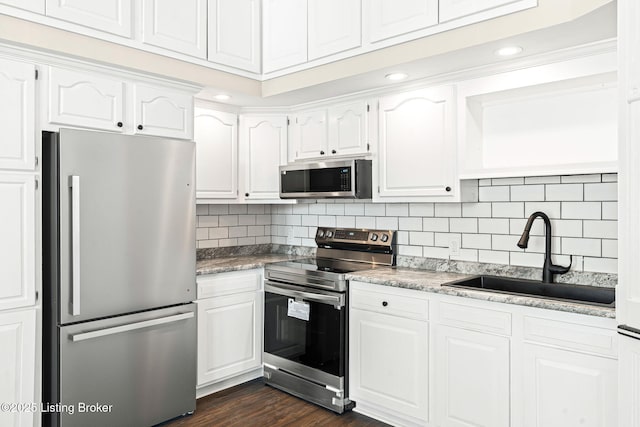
<point x="345" y="179"/>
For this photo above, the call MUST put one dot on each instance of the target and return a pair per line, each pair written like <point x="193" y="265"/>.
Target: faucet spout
<point x="548" y="269"/>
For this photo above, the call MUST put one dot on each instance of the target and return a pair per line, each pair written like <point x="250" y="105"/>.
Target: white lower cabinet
<point x="17" y="366"/>
<point x="230" y="307"/>
<point x="629" y="382"/>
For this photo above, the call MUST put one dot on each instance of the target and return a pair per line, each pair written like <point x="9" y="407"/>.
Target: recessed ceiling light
<point x="508" y="51"/>
<point x="222" y="97"/>
<point x="396" y="76"/>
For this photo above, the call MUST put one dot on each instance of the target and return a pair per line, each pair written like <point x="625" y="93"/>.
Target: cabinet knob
<point x="448" y="189"/>
<point x="333" y="151"/>
<point x="384" y="303"/>
<point x="246" y="194"/>
<point x="322" y="153"/>
<point x="119" y="124"/>
<point x="140" y="127"/>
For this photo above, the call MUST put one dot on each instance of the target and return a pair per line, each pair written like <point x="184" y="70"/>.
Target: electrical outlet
<point x="289" y="233"/>
<point x="454" y="245"/>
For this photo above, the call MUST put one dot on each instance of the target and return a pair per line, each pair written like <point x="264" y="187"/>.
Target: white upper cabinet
<point x="17" y="245"/>
<point x="216" y="136"/>
<point x="31" y="5"/>
<point x="263" y="148"/>
<point x="79" y="98"/>
<point x="178" y="26"/>
<point x="18" y="367"/>
<point x="284" y="32"/>
<point x="112" y="16"/>
<point x="163" y="112"/>
<point x="234" y="33"/>
<point x="349" y="128"/>
<point x="390" y="18"/>
<point x="334" y="26"/>
<point x="17" y="115"/>
<point x="453" y="9"/>
<point x="417" y="149"/>
<point x="310" y="133"/>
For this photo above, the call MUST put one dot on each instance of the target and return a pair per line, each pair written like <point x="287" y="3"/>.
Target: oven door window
<point x="317" y="343"/>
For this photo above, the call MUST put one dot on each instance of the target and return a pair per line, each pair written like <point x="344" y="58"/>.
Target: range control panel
<point x="326" y="235"/>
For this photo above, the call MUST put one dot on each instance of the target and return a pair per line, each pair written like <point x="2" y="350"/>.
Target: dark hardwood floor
<point x="255" y="404"/>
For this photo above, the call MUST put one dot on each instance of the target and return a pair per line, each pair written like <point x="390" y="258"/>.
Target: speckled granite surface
<point x="431" y="281"/>
<point x="238" y="262"/>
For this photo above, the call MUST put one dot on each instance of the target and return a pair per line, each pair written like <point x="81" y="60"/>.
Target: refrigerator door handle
<point x="130" y="327"/>
<point x="74" y="184"/>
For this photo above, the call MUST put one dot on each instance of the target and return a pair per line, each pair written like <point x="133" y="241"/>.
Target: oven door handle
<point x="278" y="288"/>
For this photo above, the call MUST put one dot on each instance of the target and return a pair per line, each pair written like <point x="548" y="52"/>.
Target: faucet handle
<point x="560" y="269"/>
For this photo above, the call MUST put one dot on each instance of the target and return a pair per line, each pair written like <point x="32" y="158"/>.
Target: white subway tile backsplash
<point x="602" y="265"/>
<point x="410" y="224"/>
<point x="581" y="178"/>
<point x="581" y="210"/>
<point x="246" y="220"/>
<point x="522" y="193"/>
<point x="207" y="221"/>
<point x="256" y="209"/>
<point x="537" y="244"/>
<point x="566" y="227"/>
<point x="435" y="252"/>
<point x="237" y="209"/>
<point x="406" y="250"/>
<point x="476" y="241"/>
<point x="610" y="210"/>
<point x="448" y="210"/>
<point x="387" y="223"/>
<point x="402" y="237"/>
<point x="493" y="225"/>
<point x="260" y="240"/>
<point x="609" y="177"/>
<point x="278" y="219"/>
<point x="466" y="255"/>
<point x="463" y="225"/>
<point x="421" y="238"/>
<point x="346" y="221"/>
<point x="493" y="257"/>
<point x="227" y="220"/>
<point x="484" y="182"/>
<point x="228" y="242"/>
<point x="326" y="221"/>
<point x="293" y="219"/>
<point x="421" y="209"/>
<point x="601" y="229"/>
<point x="301" y="232"/>
<point x="516" y="226"/>
<point x="564" y="192"/>
<point x="246" y="241"/>
<point x="586" y="247"/>
<point x="300" y="209"/>
<point x="255" y="230"/>
<point x="610" y="248"/>
<point x="552" y="209"/>
<point x="205" y="244"/>
<point x="202" y="233"/>
<point x="218" y="209"/>
<point x="526" y="259"/>
<point x="365" y="222"/>
<point x="606" y="191"/>
<point x="553" y="179"/>
<point x="507" y="181"/>
<point x="494" y="194"/>
<point x="444" y="239"/>
<point x="335" y="209"/>
<point x="397" y="209"/>
<point x="202" y="210"/>
<point x="435" y="224"/>
<point x="505" y="242"/>
<point x="354" y="209"/>
<point x="310" y="220"/>
<point x="318" y="209"/>
<point x="508" y="210"/>
<point x="218" y="233"/>
<point x="476" y="210"/>
<point x="373" y="209"/>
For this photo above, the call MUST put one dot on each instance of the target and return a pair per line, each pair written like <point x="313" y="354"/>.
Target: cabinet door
<point x="564" y="388"/>
<point x="229" y="336"/>
<point x="417" y="150"/>
<point x="349" y="128"/>
<point x="178" y="26"/>
<point x="112" y="16"/>
<point x="285" y="33"/>
<point x="31" y="5"/>
<point x="17" y="245"/>
<point x="310" y="133"/>
<point x="17" y="365"/>
<point x="234" y="33"/>
<point x="263" y="148"/>
<point x="629" y="382"/>
<point x="216" y="136"/>
<point x="471" y="378"/>
<point x="389" y="18"/>
<point x="85" y="100"/>
<point x="17" y="115"/>
<point x="334" y="26"/>
<point x="388" y="362"/>
<point x="163" y="112"/>
<point x="453" y="9"/>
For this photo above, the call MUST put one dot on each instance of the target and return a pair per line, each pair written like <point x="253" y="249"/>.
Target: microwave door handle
<point x="336" y="300"/>
<point x="74" y="184"/>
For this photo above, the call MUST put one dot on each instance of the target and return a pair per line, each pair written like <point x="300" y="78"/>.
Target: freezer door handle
<point x="130" y="327"/>
<point x="74" y="184"/>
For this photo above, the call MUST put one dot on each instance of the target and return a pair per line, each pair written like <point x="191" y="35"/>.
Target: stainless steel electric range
<point x="306" y="314"/>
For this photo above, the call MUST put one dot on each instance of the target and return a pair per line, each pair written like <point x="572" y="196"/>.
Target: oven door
<point x="311" y="345"/>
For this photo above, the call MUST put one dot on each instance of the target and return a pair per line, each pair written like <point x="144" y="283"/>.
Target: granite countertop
<point x="239" y="262"/>
<point x="431" y="281"/>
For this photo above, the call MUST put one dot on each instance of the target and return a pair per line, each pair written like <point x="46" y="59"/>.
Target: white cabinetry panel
<point x="453" y="9"/>
<point x="310" y="134"/>
<point x="263" y="148"/>
<point x="178" y="26"/>
<point x="163" y="112"/>
<point x="284" y="33"/>
<point x="216" y="136"/>
<point x="234" y="33"/>
<point x="31" y="5"/>
<point x="564" y="388"/>
<point x="389" y="18"/>
<point x="112" y="16"/>
<point x="472" y="378"/>
<point x="349" y="128"/>
<point x="17" y="115"/>
<point x="417" y="150"/>
<point x="17" y="365"/>
<point x="334" y="26"/>
<point x="85" y="100"/>
<point x="17" y="245"/>
<point x="629" y="382"/>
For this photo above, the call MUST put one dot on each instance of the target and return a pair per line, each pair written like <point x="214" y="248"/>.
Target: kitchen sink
<point x="558" y="291"/>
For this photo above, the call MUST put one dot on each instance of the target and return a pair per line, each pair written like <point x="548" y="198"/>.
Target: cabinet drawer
<point x="475" y="318"/>
<point x="213" y="285"/>
<point x="571" y="336"/>
<point x="390" y="303"/>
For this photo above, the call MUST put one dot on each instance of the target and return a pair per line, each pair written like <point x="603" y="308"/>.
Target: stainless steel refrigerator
<point x="119" y="329"/>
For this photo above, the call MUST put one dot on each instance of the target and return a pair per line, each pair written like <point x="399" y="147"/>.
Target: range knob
<point x="374" y="237"/>
<point x="329" y="234"/>
<point x="384" y="237"/>
<point x="320" y="233"/>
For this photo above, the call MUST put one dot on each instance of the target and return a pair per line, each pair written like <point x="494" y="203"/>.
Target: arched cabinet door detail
<point x="162" y="112"/>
